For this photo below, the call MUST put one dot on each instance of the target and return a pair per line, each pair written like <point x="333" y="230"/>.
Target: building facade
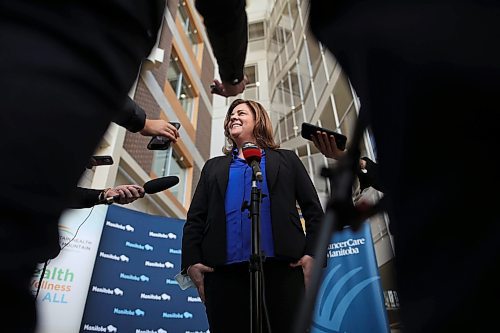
<point x="173" y="84"/>
<point x="289" y="72"/>
<point x="298" y="80"/>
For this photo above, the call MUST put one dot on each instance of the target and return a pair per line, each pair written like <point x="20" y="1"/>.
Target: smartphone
<point x="310" y="129"/>
<point x="99" y="160"/>
<point x="161" y="142"/>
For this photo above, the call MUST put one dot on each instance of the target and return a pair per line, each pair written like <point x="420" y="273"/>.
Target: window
<point x="251" y="73"/>
<point x="180" y="84"/>
<point x="252" y="87"/>
<point x="189" y="27"/>
<point x="256" y="30"/>
<point x="170" y="163"/>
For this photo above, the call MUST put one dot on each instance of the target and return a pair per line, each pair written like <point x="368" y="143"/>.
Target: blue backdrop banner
<point x="350" y="299"/>
<point x="133" y="288"/>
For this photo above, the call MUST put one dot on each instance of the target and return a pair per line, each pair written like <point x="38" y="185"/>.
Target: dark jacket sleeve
<point x="84" y="198"/>
<point x="195" y="223"/>
<point x="226" y="24"/>
<point x="132" y="117"/>
<point x="308" y="200"/>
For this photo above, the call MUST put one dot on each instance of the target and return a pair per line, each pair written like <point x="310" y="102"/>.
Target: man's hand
<point x="197" y="272"/>
<point x="307" y="264"/>
<point x="327" y="145"/>
<point x="226" y="89"/>
<point x="124" y="194"/>
<point x="160" y="127"/>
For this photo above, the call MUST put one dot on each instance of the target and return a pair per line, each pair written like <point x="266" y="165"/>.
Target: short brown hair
<point x="263" y="130"/>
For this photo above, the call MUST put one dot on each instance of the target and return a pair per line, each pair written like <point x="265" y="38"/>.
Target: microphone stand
<point x="256" y="260"/>
<point x="339" y="212"/>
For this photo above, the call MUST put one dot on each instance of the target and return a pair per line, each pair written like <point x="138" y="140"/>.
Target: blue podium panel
<point x="350" y="299"/>
<point x="133" y="288"/>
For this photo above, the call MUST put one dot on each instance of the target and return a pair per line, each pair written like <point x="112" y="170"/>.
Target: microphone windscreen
<point x="251" y="152"/>
<point x="160" y="184"/>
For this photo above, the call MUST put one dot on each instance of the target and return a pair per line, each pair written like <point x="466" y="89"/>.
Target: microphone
<point x="151" y="187"/>
<point x="252" y="154"/>
<point x="160" y="184"/>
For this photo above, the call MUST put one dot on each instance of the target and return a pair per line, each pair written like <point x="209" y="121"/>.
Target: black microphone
<point x="252" y="154"/>
<point x="151" y="187"/>
<point x="160" y="184"/>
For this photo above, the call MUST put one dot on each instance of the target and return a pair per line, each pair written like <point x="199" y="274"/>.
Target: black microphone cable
<point x="264" y="303"/>
<point x="66" y="244"/>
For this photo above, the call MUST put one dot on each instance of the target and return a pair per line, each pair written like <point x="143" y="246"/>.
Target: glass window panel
<point x="303" y="68"/>
<point x="251" y="93"/>
<point x="320" y="80"/>
<point x="271" y="72"/>
<point x="160" y="158"/>
<point x="173" y="72"/>
<point x="251" y="73"/>
<point x="256" y="31"/>
<point x="274" y="47"/>
<point x="327" y="117"/>
<point x="294" y="10"/>
<point x="180" y="84"/>
<point x="314" y="51"/>
<point x="189" y="28"/>
<point x="349" y="121"/>
<point x="331" y="62"/>
<point x="283" y="129"/>
<point x="342" y="95"/>
<point x="299" y="118"/>
<point x="287" y="98"/>
<point x="294" y="81"/>
<point x="290" y="125"/>
<point x="169" y="163"/>
<point x="309" y="106"/>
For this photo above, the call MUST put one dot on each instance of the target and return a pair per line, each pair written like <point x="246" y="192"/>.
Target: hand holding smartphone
<point x="161" y="142"/>
<point x="310" y="129"/>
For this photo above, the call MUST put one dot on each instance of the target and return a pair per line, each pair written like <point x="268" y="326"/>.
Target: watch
<point x="236" y="81"/>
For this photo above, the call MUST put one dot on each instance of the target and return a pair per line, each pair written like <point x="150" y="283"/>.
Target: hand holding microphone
<point x="124" y="194"/>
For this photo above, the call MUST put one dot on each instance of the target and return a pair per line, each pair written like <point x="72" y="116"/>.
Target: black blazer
<point x="84" y="198"/>
<point x="204" y="238"/>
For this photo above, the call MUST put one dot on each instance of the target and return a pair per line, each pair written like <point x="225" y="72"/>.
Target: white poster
<point x="63" y="290"/>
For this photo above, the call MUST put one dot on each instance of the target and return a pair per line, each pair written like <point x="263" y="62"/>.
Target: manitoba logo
<point x="174" y="251"/>
<point x="169" y="235"/>
<point x="162" y="297"/>
<point x="170" y="281"/>
<point x="128" y="312"/>
<point x="141" y="278"/>
<point x="166" y="264"/>
<point x="138" y="246"/>
<point x="119" y="226"/>
<point x="177" y="315"/>
<point x="192" y="299"/>
<point x="115" y="257"/>
<point x="101" y="290"/>
<point x="99" y="328"/>
<point x="332" y="307"/>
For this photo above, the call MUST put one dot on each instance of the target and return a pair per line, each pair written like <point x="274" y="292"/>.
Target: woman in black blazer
<point x="215" y="244"/>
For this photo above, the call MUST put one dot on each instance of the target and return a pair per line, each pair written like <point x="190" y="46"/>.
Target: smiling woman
<point x="241" y="124"/>
<point x="248" y="121"/>
<point x="216" y="243"/>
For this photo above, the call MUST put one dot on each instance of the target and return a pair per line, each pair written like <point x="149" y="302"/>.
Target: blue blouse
<point x="239" y="223"/>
